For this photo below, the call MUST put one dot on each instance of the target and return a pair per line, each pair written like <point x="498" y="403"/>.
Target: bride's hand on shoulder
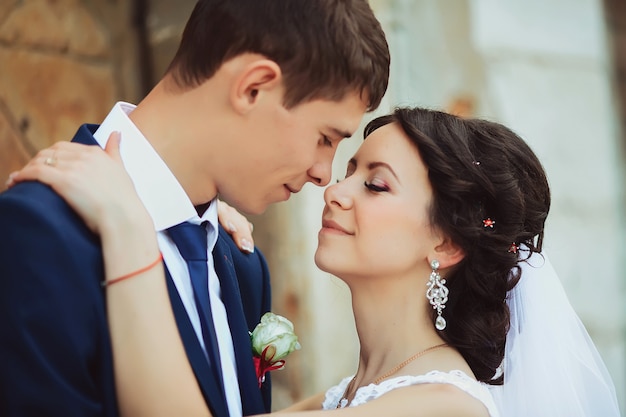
<point x="237" y="225"/>
<point x="92" y="181"/>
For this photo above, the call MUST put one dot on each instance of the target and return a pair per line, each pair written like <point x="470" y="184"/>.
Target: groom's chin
<point x="253" y="210"/>
<point x="246" y="207"/>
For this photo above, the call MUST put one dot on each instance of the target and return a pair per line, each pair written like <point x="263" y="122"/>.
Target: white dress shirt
<point x="168" y="205"/>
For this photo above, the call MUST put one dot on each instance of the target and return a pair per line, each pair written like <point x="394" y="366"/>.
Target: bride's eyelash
<point x="375" y="188"/>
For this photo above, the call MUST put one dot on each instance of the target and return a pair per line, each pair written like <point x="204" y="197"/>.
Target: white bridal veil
<point x="551" y="366"/>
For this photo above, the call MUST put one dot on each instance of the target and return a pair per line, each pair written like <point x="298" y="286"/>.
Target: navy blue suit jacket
<point x="55" y="353"/>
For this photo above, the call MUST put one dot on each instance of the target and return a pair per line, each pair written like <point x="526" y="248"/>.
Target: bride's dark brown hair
<point x="479" y="170"/>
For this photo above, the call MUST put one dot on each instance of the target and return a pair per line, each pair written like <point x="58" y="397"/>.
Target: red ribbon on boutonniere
<point x="272" y="340"/>
<point x="264" y="363"/>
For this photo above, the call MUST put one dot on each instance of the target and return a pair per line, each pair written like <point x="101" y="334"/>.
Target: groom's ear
<point x="254" y="82"/>
<point x="448" y="253"/>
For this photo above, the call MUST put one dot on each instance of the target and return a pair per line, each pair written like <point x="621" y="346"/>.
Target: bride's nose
<point x="337" y="195"/>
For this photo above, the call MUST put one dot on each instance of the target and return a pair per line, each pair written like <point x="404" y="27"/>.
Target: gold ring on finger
<point x="51" y="160"/>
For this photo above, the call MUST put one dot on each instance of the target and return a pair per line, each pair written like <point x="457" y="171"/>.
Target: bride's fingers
<point x="46" y="157"/>
<point x="65" y="156"/>
<point x="11" y="180"/>
<point x="44" y="163"/>
<point x="38" y="170"/>
<point x="91" y="180"/>
<point x="237" y="225"/>
<point x="64" y="163"/>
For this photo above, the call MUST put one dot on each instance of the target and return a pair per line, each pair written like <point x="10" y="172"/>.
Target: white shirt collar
<point x="157" y="187"/>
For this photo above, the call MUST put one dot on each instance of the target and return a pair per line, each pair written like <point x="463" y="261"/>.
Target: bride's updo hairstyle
<point x="479" y="171"/>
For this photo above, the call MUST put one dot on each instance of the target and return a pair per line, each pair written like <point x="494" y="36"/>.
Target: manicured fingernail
<point x="10" y="181"/>
<point x="231" y="227"/>
<point x="247" y="246"/>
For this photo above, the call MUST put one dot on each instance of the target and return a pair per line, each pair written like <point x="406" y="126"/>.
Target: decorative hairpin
<point x="477" y="163"/>
<point x="513" y="248"/>
<point x="488" y="223"/>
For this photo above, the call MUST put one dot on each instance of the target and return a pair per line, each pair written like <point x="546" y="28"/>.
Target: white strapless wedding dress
<point x="370" y="392"/>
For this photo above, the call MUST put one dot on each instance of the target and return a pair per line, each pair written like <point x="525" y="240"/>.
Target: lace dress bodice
<point x="370" y="392"/>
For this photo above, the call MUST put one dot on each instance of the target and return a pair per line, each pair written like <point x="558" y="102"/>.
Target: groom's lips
<point x="288" y="191"/>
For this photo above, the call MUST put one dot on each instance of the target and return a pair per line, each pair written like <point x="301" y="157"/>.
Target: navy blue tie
<point x="191" y="241"/>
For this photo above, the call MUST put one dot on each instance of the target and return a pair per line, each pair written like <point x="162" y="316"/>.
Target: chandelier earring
<point x="437" y="294"/>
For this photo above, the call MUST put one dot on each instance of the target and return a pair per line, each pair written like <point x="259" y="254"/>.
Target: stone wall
<point x="62" y="63"/>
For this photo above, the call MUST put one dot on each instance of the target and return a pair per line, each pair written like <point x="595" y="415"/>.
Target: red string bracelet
<point x="134" y="273"/>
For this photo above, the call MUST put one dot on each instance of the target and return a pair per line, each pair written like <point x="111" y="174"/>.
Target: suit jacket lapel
<point x="210" y="386"/>
<point x="251" y="399"/>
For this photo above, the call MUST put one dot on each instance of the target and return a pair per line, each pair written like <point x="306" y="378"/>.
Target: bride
<point x="437" y="229"/>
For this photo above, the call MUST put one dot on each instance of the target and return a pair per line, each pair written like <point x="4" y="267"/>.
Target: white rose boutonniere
<point x="272" y="340"/>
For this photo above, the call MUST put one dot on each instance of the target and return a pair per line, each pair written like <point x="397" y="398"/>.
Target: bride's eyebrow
<point x="378" y="164"/>
<point x="373" y="165"/>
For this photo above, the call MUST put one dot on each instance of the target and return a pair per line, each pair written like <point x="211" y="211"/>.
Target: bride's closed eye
<point x="376" y="187"/>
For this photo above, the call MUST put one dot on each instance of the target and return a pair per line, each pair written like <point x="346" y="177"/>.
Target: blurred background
<point x="553" y="70"/>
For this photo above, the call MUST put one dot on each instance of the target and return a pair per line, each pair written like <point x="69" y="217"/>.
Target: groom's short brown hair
<point x="325" y="48"/>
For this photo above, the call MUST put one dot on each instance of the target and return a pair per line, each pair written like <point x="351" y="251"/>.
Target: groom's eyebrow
<point x="340" y="133"/>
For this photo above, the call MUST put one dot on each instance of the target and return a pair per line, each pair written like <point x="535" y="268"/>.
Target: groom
<point x="252" y="107"/>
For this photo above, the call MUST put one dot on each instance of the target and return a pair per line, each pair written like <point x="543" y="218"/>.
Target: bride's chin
<point x="323" y="264"/>
<point x="319" y="263"/>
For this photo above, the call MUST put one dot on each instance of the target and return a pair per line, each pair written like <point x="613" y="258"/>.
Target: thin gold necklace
<point x="391" y="371"/>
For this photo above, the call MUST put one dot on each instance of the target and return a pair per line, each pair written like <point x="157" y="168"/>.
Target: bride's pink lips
<point x="332" y="227"/>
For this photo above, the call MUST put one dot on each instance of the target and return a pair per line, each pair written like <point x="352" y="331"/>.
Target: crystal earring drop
<point x="437" y="294"/>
